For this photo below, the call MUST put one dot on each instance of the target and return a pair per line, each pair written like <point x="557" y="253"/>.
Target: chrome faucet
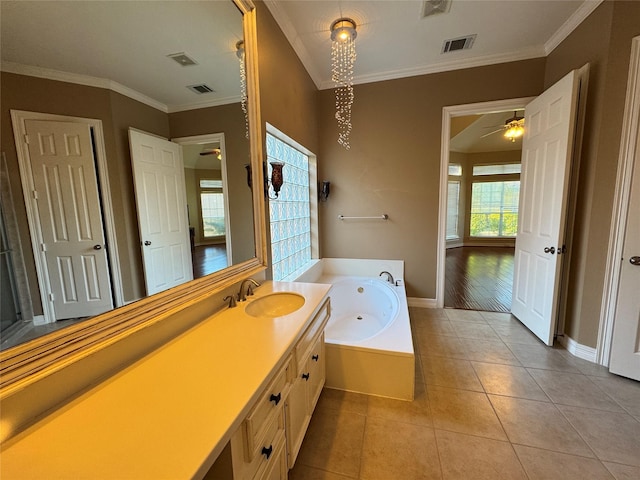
<point x="243" y="296"/>
<point x="389" y="276"/>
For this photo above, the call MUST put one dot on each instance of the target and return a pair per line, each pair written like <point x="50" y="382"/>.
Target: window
<point x="455" y="170"/>
<point x="500" y="169"/>
<point x="494" y="209"/>
<point x="212" y="208"/>
<point x="290" y="214"/>
<point x="453" y="205"/>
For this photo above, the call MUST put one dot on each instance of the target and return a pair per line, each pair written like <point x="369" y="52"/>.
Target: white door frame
<point x="628" y="141"/>
<point x="219" y="138"/>
<point x="18" y="118"/>
<point x="447" y="114"/>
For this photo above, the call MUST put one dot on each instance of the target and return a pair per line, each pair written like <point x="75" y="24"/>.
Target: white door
<point x="625" y="346"/>
<point x="68" y="205"/>
<point x="161" y="200"/>
<point x="546" y="165"/>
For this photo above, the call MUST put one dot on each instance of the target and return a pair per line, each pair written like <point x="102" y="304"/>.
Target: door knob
<point x="97" y="247"/>
<point x="147" y="243"/>
<point x="634" y="261"/>
<point x="551" y="250"/>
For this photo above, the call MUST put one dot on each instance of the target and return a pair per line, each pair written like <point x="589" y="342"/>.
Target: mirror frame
<point x="27" y="363"/>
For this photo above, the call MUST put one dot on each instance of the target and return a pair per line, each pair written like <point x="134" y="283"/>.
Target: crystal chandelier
<point x="243" y="85"/>
<point x="343" y="57"/>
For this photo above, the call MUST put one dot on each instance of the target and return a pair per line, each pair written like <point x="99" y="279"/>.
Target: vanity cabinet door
<point x="317" y="374"/>
<point x="297" y="418"/>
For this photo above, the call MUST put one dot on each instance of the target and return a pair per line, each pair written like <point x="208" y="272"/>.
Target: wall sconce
<point x="324" y="191"/>
<point x="276" y="178"/>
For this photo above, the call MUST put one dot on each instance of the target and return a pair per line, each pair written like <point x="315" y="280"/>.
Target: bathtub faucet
<point x="389" y="277"/>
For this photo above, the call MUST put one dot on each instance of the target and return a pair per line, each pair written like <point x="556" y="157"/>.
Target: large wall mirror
<point x="184" y="73"/>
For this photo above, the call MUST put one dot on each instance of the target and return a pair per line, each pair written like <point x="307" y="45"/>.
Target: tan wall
<point x="603" y="40"/>
<point x="393" y="165"/>
<point x="287" y="93"/>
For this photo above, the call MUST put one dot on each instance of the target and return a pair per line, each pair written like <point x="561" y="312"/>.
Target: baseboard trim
<point x="581" y="351"/>
<point x="422" y="302"/>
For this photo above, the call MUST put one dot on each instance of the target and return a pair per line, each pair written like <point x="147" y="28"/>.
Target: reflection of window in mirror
<point x="212" y="209"/>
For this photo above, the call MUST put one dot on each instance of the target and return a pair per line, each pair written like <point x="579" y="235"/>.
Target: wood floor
<point x="479" y="278"/>
<point x="208" y="259"/>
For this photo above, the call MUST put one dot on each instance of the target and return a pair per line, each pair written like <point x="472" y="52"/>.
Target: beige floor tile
<point x="464" y="315"/>
<point x="542" y="357"/>
<point x="437" y="326"/>
<point x="450" y="372"/>
<point x="546" y="465"/>
<point x="538" y="424"/>
<point x="623" y="472"/>
<point x="419" y="314"/>
<point x="464" y="457"/>
<point x="614" y="437"/>
<point x="497" y="317"/>
<point x="515" y="332"/>
<point x="439" y="345"/>
<point x="474" y="330"/>
<point x="489" y="351"/>
<point x="416" y="412"/>
<point x="333" y="441"/>
<point x="464" y="412"/>
<point x="341" y="400"/>
<point x="418" y="369"/>
<point x="415" y="456"/>
<point x="508" y="380"/>
<point x="623" y="390"/>
<point x="573" y="389"/>
<point x="303" y="472"/>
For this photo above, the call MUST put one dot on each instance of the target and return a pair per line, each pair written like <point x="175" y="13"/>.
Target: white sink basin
<point x="275" y="304"/>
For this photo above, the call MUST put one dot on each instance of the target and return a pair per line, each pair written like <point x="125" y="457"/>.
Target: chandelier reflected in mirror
<point x="243" y="85"/>
<point x="343" y="58"/>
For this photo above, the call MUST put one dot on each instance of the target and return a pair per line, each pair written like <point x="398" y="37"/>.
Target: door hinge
<point x="43" y="247"/>
<point x="35" y="194"/>
<point x="26" y="139"/>
<point x="51" y="297"/>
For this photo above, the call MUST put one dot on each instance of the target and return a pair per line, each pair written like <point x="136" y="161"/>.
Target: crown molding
<point x="290" y="32"/>
<point x="583" y="11"/>
<point x="89" y="81"/>
<point x="443" y="67"/>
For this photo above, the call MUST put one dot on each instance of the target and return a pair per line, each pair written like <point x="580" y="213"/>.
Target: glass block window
<point x="453" y="205"/>
<point x="499" y="169"/>
<point x="290" y="213"/>
<point x="494" y="209"/>
<point x="455" y="170"/>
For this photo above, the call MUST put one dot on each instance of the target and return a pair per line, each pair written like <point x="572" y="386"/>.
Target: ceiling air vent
<point x="199" y="89"/>
<point x="183" y="59"/>
<point x="462" y="43"/>
<point x="432" y="7"/>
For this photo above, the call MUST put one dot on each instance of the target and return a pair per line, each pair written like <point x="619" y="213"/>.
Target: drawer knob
<point x="315" y="358"/>
<point x="267" y="451"/>
<point x="305" y="376"/>
<point x="275" y="398"/>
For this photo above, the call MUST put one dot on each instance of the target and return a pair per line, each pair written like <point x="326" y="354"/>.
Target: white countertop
<point x="170" y="413"/>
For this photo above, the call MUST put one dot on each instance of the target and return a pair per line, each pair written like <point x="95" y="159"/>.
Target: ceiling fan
<point x="212" y="151"/>
<point x="513" y="128"/>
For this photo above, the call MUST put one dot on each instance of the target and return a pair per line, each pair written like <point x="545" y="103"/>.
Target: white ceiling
<point x="483" y="133"/>
<point x="394" y="40"/>
<point x="123" y="45"/>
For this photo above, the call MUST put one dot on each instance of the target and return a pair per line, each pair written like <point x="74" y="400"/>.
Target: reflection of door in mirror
<point x="161" y="203"/>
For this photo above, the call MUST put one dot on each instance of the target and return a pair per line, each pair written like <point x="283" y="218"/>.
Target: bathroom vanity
<point x="230" y="398"/>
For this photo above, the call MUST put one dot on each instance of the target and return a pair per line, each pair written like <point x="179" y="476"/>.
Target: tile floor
<point x="492" y="402"/>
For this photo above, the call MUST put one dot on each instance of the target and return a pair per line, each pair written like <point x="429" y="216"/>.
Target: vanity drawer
<point x="310" y="335"/>
<point x="269" y="403"/>
<point x="267" y="450"/>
